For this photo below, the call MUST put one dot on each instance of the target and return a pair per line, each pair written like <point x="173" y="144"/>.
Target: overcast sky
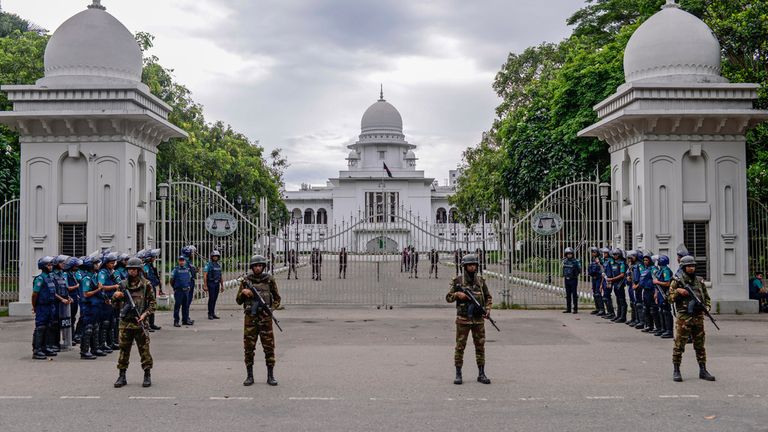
<point x="298" y="74"/>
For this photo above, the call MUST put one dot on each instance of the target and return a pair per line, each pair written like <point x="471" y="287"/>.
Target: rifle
<point x="697" y="304"/>
<point x="477" y="305"/>
<point x="130" y="309"/>
<point x="260" y="304"/>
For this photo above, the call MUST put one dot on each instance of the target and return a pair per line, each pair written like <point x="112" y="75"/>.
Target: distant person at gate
<point x="757" y="291"/>
<point x="213" y="283"/>
<point x="182" y="282"/>
<point x="571" y="273"/>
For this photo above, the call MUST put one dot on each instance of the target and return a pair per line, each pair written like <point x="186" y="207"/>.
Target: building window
<point x="453" y="216"/>
<point x="695" y="239"/>
<point x="72" y="240"/>
<point x="382" y="154"/>
<point x="382" y="206"/>
<point x="628" y="236"/>
<point x="140" y="237"/>
<point x="441" y="216"/>
<point x="309" y="216"/>
<point x="322" y="217"/>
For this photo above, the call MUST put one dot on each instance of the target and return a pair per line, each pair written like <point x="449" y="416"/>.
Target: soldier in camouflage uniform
<point x="143" y="295"/>
<point x="468" y="319"/>
<point x="257" y="323"/>
<point x="689" y="321"/>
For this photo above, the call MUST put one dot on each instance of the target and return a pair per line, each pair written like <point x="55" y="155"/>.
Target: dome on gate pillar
<point x="92" y="46"/>
<point x="673" y="46"/>
<point x="382" y="117"/>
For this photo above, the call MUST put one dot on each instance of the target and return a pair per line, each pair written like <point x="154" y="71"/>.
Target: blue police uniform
<point x="595" y="271"/>
<point x="571" y="272"/>
<point x="109" y="316"/>
<point x="619" y="268"/>
<point x="46" y="315"/>
<point x="664" y="274"/>
<point x="74" y="294"/>
<point x="607" y="300"/>
<point x="182" y="282"/>
<point x="212" y="272"/>
<point x="650" y="309"/>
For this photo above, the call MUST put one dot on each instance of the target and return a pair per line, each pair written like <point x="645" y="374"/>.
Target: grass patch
<point x="509" y="306"/>
<point x="3" y="312"/>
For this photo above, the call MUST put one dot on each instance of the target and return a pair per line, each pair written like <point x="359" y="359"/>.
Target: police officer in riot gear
<point x="73" y="277"/>
<point x="571" y="273"/>
<point x="89" y="310"/>
<point x="182" y="282"/>
<point x="59" y="275"/>
<point x="662" y="279"/>
<point x="607" y="262"/>
<point x="213" y="282"/>
<point x="618" y="284"/>
<point x="595" y="272"/>
<point x="150" y="272"/>
<point x="44" y="299"/>
<point x="634" y="267"/>
<point x="108" y="282"/>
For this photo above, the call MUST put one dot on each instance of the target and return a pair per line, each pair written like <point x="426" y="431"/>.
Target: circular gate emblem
<point x="546" y="223"/>
<point x="221" y="224"/>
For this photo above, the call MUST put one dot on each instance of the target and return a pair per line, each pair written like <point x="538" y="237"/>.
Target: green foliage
<point x="21" y="62"/>
<point x="548" y="93"/>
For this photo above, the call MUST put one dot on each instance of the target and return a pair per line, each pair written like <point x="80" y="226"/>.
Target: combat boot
<point x="37" y="344"/>
<point x="649" y="322"/>
<point x="669" y="333"/>
<point x="85" y="345"/>
<point x="481" y="378"/>
<point x="121" y="381"/>
<point x="632" y="316"/>
<point x="147" y="378"/>
<point x="676" y="377"/>
<point x="114" y="337"/>
<point x="49" y="345"/>
<point x="248" y="379"/>
<point x="622" y="318"/>
<point x="703" y="374"/>
<point x="458" y="380"/>
<point x="271" y="376"/>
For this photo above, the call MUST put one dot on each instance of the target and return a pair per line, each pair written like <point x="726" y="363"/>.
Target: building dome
<point x="673" y="46"/>
<point x="410" y="155"/>
<point x="353" y="155"/>
<point x="382" y="117"/>
<point x="95" y="46"/>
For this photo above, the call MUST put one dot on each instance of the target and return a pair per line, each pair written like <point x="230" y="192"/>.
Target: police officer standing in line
<point x="150" y="271"/>
<point x="44" y="299"/>
<point x="690" y="321"/>
<point x="59" y="275"/>
<point x="189" y="252"/>
<point x="182" y="283"/>
<point x="109" y="319"/>
<point x="213" y="282"/>
<point x="662" y="279"/>
<point x="634" y="268"/>
<point x="618" y="284"/>
<point x="645" y="282"/>
<point x="571" y="273"/>
<point x="72" y="269"/>
<point x="343" y="256"/>
<point x="143" y="296"/>
<point x="434" y="260"/>
<point x="316" y="259"/>
<point x="468" y="318"/>
<point x="292" y="261"/>
<point x="595" y="272"/>
<point x="97" y="299"/>
<point x="607" y="263"/>
<point x="89" y="308"/>
<point x="257" y="323"/>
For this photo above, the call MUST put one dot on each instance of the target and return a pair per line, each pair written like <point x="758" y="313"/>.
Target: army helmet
<point x="469" y="259"/>
<point x="257" y="260"/>
<point x="568" y="250"/>
<point x="134" y="263"/>
<point x="687" y="261"/>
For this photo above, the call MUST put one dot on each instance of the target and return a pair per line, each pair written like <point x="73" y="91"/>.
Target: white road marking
<point x="678" y="396"/>
<point x="604" y="397"/>
<point x="15" y="397"/>
<point x="531" y="399"/>
<point x="313" y="398"/>
<point x="153" y="397"/>
<point x="229" y="398"/>
<point x="80" y="397"/>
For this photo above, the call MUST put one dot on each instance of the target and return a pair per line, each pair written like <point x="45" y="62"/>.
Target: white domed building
<point x="365" y="190"/>
<point x="89" y="132"/>
<point x="676" y="131"/>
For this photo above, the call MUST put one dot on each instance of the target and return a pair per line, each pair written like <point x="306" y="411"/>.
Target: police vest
<point x="60" y="281"/>
<point x="214" y="274"/>
<point x="182" y="278"/>
<point x="646" y="278"/>
<point x="618" y="268"/>
<point x="570" y="269"/>
<point x="72" y="281"/>
<point x="89" y="283"/>
<point x="608" y="267"/>
<point x="47" y="294"/>
<point x="594" y="269"/>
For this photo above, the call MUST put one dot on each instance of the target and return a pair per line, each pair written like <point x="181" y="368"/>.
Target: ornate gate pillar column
<point x="676" y="131"/>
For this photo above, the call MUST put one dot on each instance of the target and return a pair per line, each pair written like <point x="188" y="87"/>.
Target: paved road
<point x="356" y="369"/>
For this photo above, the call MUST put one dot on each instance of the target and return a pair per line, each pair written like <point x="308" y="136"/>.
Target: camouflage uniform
<point x="466" y="320"/>
<point x="260" y="326"/>
<point x="143" y="295"/>
<point x="689" y="325"/>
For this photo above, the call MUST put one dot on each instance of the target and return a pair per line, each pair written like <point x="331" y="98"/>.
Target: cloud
<point x="298" y="74"/>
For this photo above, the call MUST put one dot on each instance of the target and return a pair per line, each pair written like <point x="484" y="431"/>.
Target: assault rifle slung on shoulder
<point x="480" y="308"/>
<point x="259" y="304"/>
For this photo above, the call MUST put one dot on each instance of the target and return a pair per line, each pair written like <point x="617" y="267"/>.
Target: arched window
<point x="441" y="216"/>
<point x="296" y="214"/>
<point x="322" y="217"/>
<point x="309" y="216"/>
<point x="453" y="215"/>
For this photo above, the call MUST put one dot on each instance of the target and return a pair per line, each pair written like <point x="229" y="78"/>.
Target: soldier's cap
<point x="134" y="263"/>
<point x="687" y="261"/>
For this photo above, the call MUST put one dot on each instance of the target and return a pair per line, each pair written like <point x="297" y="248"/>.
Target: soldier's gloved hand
<point x="461" y="296"/>
<point x="247" y="293"/>
<point x="682" y="292"/>
<point x="118" y="295"/>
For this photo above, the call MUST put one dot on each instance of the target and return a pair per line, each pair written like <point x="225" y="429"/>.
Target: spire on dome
<point x="96" y="5"/>
<point x="381" y="95"/>
<point x="671" y="4"/>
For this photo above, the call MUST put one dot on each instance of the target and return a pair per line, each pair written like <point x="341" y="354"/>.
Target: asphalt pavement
<point x="368" y="369"/>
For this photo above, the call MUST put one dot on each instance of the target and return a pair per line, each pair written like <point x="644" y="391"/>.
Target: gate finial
<point x="671" y="4"/>
<point x="96" y="5"/>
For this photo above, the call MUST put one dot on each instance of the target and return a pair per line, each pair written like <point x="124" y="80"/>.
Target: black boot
<point x="104" y="331"/>
<point x="121" y="379"/>
<point x="633" y="318"/>
<point x="622" y="318"/>
<point x="458" y="380"/>
<point x="481" y="378"/>
<point x="152" y="326"/>
<point x="95" y="350"/>
<point x="115" y="336"/>
<point x="669" y="333"/>
<point x="85" y="344"/>
<point x="640" y="318"/>
<point x="703" y="374"/>
<point x="676" y="374"/>
<point x="248" y="379"/>
<point x="271" y="376"/>
<point x="649" y="322"/>
<point x="609" y="307"/>
<point x="49" y="341"/>
<point x="659" y="323"/>
<point x="147" y="378"/>
<point x="37" y="344"/>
